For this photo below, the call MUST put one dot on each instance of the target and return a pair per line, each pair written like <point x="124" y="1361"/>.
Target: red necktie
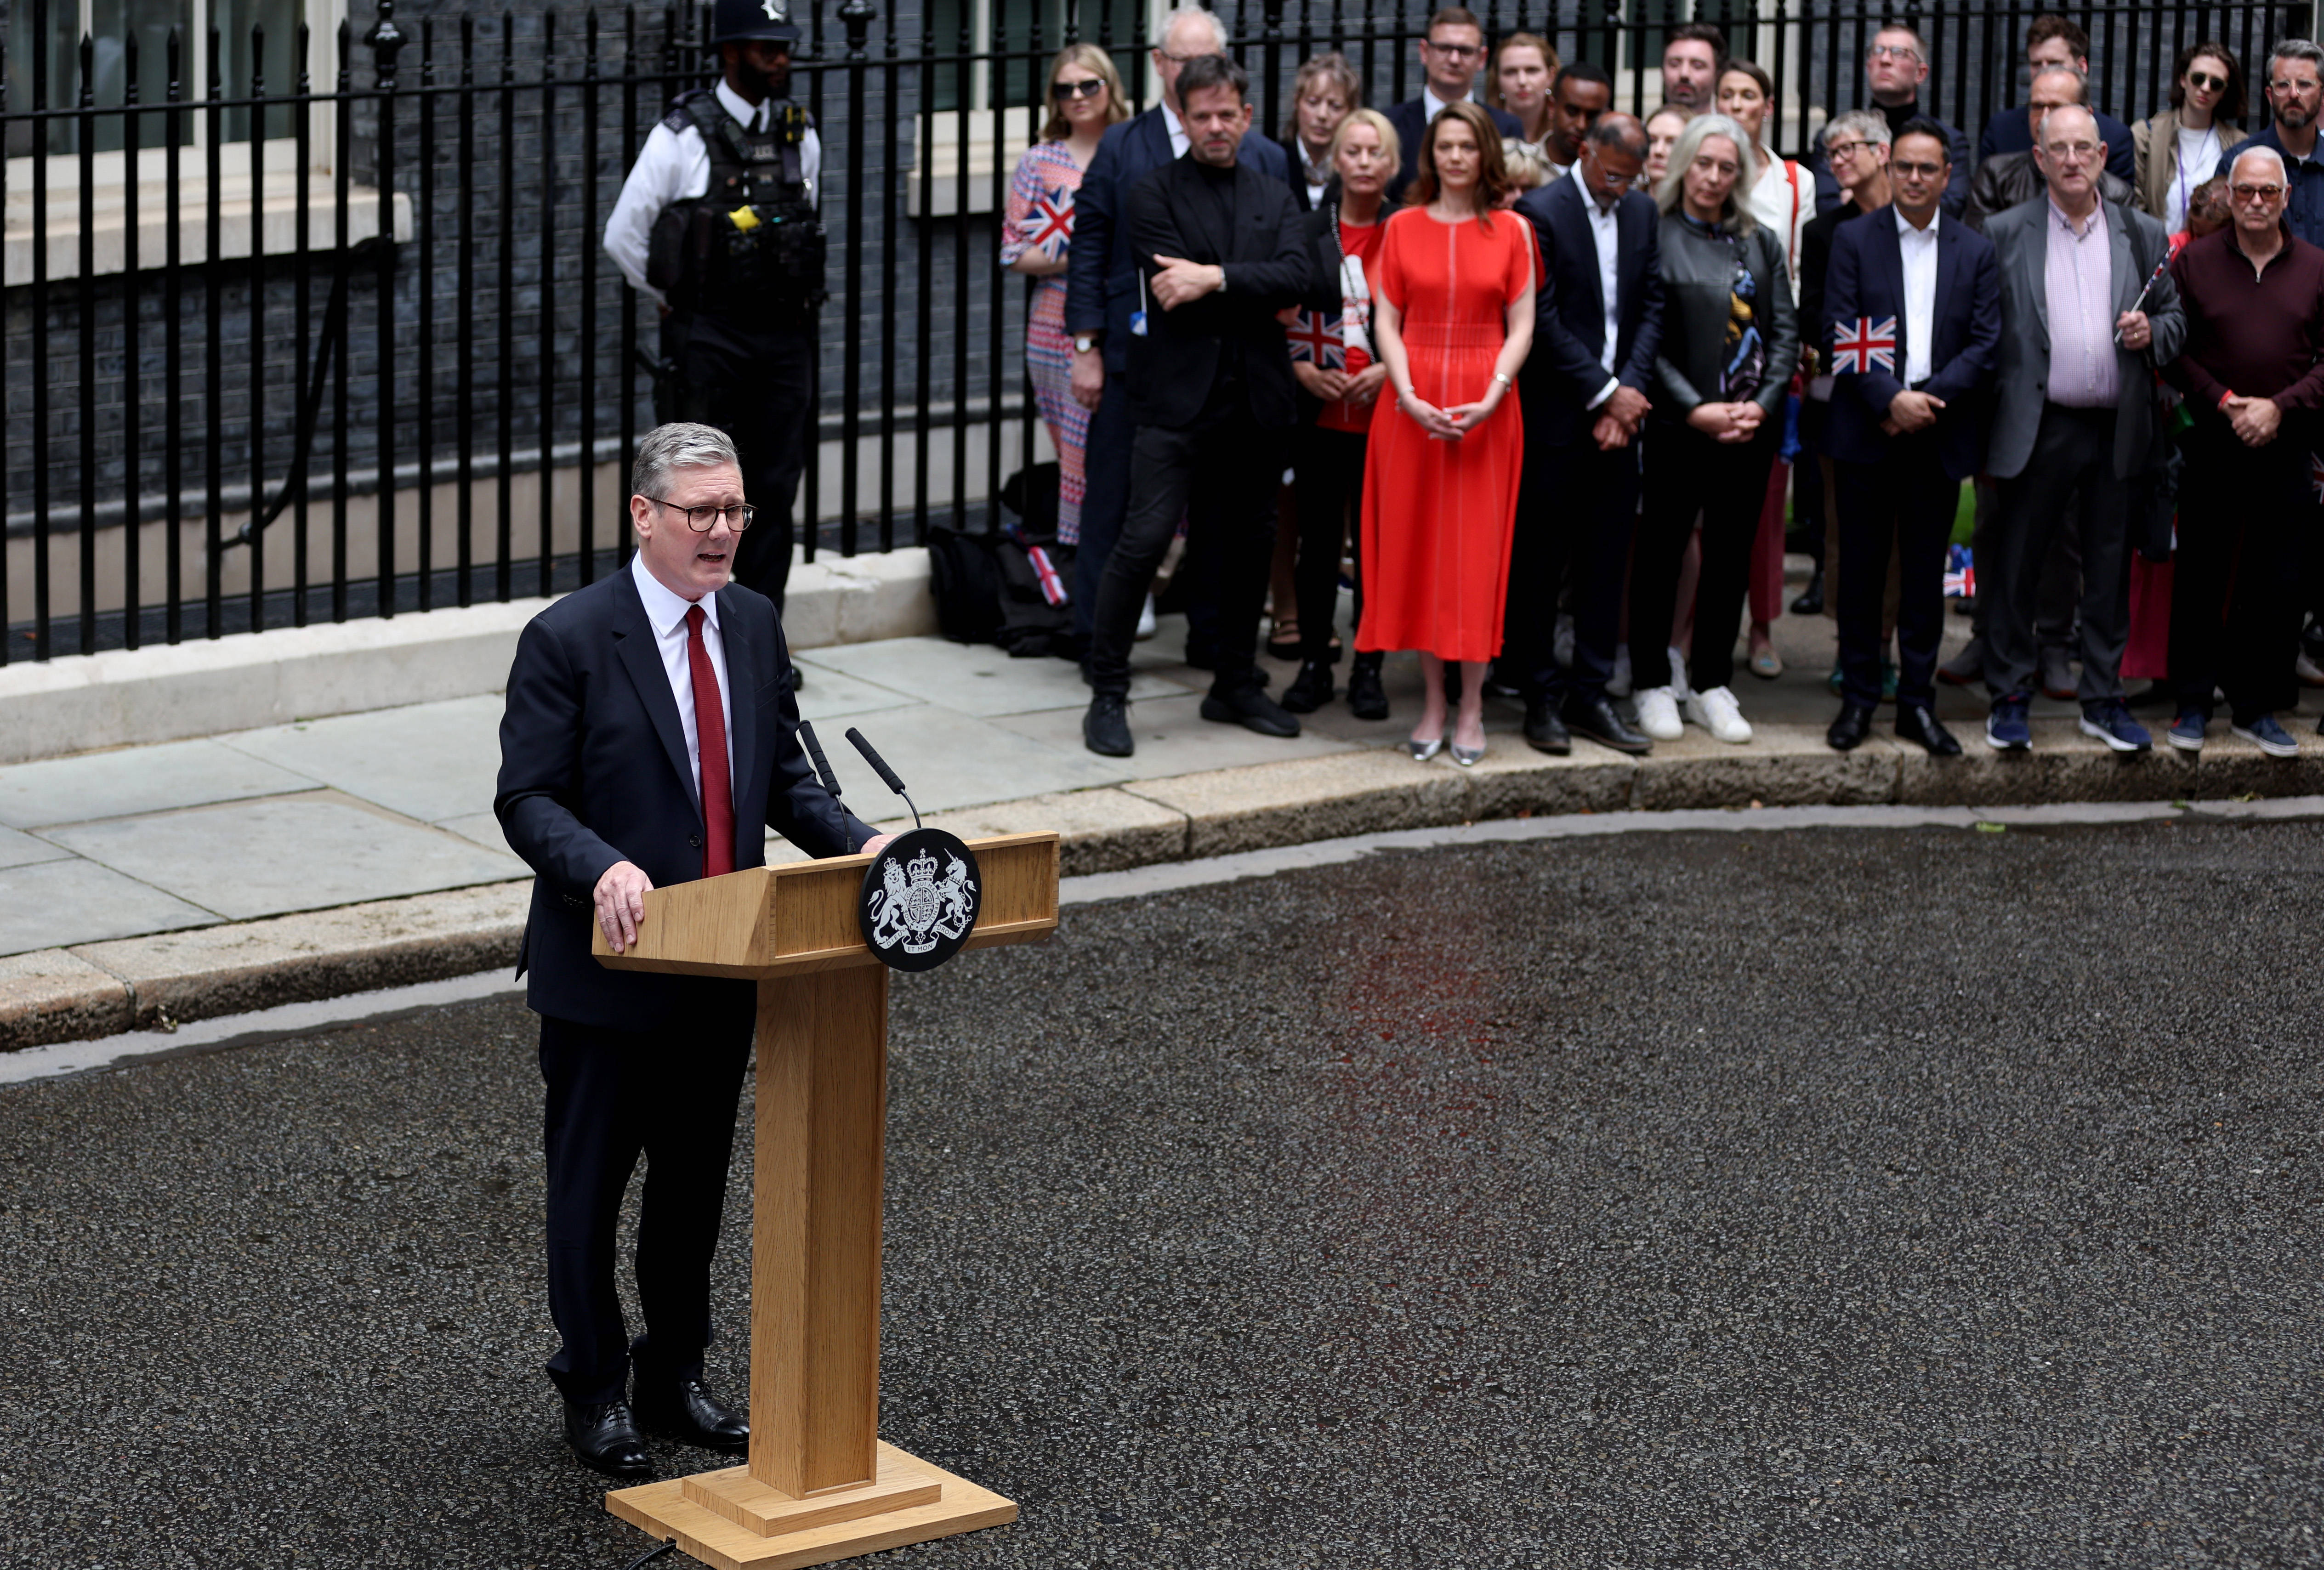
<point x="710" y="739"/>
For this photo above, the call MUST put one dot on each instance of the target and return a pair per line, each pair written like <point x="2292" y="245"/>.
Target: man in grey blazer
<point x="2086" y="318"/>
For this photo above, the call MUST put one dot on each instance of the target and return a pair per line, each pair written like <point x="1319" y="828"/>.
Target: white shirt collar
<point x="1431" y="106"/>
<point x="1904" y="229"/>
<point x="734" y="104"/>
<point x="1171" y="123"/>
<point x="665" y="610"/>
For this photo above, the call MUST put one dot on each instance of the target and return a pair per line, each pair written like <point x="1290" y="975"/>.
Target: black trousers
<point x="1222" y="474"/>
<point x="1328" y="469"/>
<point x="1906" y="497"/>
<point x="2235" y="590"/>
<point x="758" y="385"/>
<point x="612" y="1095"/>
<point x="1576" y="508"/>
<point x="2069" y="479"/>
<point x="1686" y="473"/>
<point x="1105" y="496"/>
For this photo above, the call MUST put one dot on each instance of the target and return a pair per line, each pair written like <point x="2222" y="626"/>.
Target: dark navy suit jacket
<point x="1866" y="279"/>
<point x="1410" y="118"/>
<point x="1101" y="272"/>
<point x="593" y="770"/>
<point x="1564" y="372"/>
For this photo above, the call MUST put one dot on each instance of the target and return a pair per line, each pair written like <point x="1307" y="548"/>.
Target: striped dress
<point x="1040" y="217"/>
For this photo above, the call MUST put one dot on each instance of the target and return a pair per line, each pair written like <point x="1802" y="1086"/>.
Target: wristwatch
<point x="1083" y="343"/>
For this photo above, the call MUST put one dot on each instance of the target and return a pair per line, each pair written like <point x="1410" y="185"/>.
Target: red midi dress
<point x="1438" y="515"/>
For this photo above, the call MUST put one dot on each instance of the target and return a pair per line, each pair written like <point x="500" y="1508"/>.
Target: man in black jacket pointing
<point x="650" y="738"/>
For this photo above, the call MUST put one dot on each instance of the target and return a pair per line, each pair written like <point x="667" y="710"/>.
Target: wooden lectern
<point x="820" y="1486"/>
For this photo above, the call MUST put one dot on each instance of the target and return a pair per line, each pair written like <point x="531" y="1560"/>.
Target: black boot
<point x="1366" y="699"/>
<point x="1811" y="600"/>
<point x="1312" y="688"/>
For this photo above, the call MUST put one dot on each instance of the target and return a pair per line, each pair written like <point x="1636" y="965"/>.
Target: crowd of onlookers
<point x="1553" y="385"/>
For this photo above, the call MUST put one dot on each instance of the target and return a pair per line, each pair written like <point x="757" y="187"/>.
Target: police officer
<point x="717" y="225"/>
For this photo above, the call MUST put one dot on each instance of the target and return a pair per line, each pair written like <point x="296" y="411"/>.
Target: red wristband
<point x="2226" y="398"/>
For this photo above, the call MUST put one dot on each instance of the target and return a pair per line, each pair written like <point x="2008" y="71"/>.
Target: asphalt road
<point x="1915" y="1197"/>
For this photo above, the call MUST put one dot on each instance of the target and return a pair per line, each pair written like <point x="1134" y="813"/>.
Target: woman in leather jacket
<point x="1730" y="338"/>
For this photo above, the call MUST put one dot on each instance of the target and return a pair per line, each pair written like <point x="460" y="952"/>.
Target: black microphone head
<point x="815" y="755"/>
<point x="879" y="763"/>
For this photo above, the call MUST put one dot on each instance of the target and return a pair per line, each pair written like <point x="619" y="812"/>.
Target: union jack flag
<point x="1862" y="346"/>
<point x="1317" y="337"/>
<point x="2316" y="474"/>
<point x="1053" y="587"/>
<point x="1961" y="573"/>
<point x="1052" y="223"/>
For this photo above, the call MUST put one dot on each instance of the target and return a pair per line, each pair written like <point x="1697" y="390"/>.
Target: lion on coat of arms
<point x="912" y="908"/>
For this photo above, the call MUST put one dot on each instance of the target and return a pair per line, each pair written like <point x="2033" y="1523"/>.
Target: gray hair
<point x="2304" y="49"/>
<point x="2081" y="83"/>
<point x="2283" y="174"/>
<point x="1861" y="124"/>
<point x="2049" y="121"/>
<point x="1209" y="19"/>
<point x="678" y="445"/>
<point x="1672" y="193"/>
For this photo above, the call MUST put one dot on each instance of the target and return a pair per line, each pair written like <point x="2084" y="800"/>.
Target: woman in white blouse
<point x="1782" y="194"/>
<point x="2187" y="144"/>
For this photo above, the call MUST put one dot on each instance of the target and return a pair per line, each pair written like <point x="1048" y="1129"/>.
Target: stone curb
<point x="96" y="989"/>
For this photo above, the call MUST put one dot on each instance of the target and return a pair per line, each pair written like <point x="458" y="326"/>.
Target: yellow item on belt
<point x="743" y="218"/>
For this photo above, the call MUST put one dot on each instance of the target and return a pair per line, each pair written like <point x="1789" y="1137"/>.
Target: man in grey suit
<point x="2086" y="317"/>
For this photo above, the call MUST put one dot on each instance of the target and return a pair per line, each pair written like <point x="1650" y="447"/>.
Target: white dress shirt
<point x="1431" y="106"/>
<point x="1605" y="233"/>
<point x="1920" y="249"/>
<point x="1179" y="139"/>
<point x="666" y="613"/>
<point x="674" y="166"/>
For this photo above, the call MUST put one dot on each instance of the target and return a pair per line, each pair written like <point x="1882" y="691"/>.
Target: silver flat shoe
<point x="1422" y="751"/>
<point x="1466" y="756"/>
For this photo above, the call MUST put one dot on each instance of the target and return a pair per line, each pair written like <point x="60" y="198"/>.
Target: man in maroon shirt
<point x="2252" y="370"/>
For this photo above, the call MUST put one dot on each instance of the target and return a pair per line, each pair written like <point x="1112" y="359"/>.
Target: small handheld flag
<point x="1864" y="344"/>
<point x="1317" y="338"/>
<point x="1052" y="223"/>
<point x="1961" y="573"/>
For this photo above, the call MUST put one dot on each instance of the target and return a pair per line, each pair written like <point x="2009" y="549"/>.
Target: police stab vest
<point x="750" y="248"/>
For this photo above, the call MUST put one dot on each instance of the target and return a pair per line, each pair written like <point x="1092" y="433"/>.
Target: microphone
<point x="879" y="767"/>
<point x="815" y="754"/>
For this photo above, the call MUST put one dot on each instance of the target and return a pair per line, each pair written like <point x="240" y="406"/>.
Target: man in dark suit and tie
<point x="650" y="738"/>
<point x="1598" y="322"/>
<point x="1450" y="54"/>
<point x="1101" y="284"/>
<point x="1220" y="250"/>
<point x="1906" y="425"/>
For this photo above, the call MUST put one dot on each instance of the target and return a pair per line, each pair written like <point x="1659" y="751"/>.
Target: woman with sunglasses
<point x="1037" y="232"/>
<point x="2187" y="144"/>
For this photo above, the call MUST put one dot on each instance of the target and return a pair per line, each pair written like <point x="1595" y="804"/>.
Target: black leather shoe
<point x="1811" y="600"/>
<point x="1250" y="707"/>
<point x="1312" y="689"/>
<point x="1914" y="723"/>
<point x="1367" y="698"/>
<point x="1545" y="731"/>
<point x="684" y="1410"/>
<point x="604" y="1438"/>
<point x="1854" y="723"/>
<point x="1598" y="720"/>
<point x="1105" y="728"/>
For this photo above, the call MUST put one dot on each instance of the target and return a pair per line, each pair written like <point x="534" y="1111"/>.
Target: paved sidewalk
<point x="167" y="882"/>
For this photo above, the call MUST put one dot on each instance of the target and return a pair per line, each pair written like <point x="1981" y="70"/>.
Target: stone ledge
<point x="1307" y="798"/>
<point x="51" y="996"/>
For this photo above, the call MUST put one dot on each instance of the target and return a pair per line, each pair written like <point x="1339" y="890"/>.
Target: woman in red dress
<point x="1453" y="321"/>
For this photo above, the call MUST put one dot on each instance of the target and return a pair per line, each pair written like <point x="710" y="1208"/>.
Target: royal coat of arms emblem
<point x="921" y="899"/>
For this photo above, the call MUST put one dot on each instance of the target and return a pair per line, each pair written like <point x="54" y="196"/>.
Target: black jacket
<point x="593" y="770"/>
<point x="1698" y="286"/>
<point x="2007" y="178"/>
<point x="1565" y="372"/>
<point x="1174" y="363"/>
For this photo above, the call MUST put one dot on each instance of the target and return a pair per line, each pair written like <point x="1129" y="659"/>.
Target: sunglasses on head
<point x="1087" y="88"/>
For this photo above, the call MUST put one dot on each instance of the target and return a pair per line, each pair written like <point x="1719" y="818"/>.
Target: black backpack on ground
<point x="988" y="586"/>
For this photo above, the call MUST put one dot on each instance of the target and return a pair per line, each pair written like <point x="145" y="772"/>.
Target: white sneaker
<point x="1561" y="644"/>
<point x="1658" y="714"/>
<point x="1718" y="713"/>
<point x="1146" y="620"/>
<point x="1617" y="685"/>
<point x="1678" y="676"/>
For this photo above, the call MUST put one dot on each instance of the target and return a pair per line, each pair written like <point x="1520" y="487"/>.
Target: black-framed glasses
<point x="1908" y="167"/>
<point x="1087" y="88"/>
<point x="703" y="520"/>
<point x="1457" y="50"/>
<point x="2206" y="82"/>
<point x="1845" y="149"/>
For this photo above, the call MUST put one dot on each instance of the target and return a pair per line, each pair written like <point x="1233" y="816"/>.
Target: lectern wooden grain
<point x="820" y="1486"/>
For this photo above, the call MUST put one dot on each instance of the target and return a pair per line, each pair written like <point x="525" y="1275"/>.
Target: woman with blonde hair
<point x="1325" y="92"/>
<point x="1524" y="67"/>
<point x="1083" y="97"/>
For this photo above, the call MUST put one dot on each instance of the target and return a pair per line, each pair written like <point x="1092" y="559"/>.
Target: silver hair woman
<point x="1735" y="217"/>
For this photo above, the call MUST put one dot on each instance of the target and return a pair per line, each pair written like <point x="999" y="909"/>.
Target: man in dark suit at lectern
<point x="650" y="738"/>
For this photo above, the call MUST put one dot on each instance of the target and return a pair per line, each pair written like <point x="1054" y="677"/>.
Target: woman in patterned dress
<point x="1085" y="97"/>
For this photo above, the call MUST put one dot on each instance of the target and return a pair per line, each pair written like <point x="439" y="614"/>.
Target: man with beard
<point x="717" y="225"/>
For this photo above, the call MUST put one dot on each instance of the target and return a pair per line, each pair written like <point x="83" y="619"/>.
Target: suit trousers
<point x="1686" y="473"/>
<point x="2061" y="591"/>
<point x="1909" y="500"/>
<point x="2069" y="480"/>
<point x="1222" y="474"/>
<point x="758" y="385"/>
<point x="2235" y="590"/>
<point x="612" y="1095"/>
<point x="1329" y="470"/>
<point x="1105" y="495"/>
<point x="1576" y="508"/>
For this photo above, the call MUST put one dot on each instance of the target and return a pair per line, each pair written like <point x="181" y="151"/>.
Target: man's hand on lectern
<point x="875" y="845"/>
<point x="622" y="903"/>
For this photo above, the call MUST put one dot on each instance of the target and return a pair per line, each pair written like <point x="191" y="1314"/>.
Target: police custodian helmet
<point x="732" y="21"/>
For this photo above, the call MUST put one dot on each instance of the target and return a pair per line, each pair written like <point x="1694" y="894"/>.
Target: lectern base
<point x="717" y="1516"/>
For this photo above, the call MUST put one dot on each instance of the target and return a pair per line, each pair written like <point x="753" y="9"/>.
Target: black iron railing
<point x="339" y="340"/>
